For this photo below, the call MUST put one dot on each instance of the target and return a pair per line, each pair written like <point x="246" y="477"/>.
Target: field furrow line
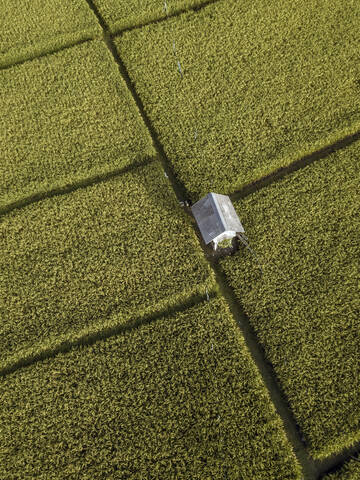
<point x="72" y="187"/>
<point x="178" y="187"/>
<point x="293" y="167"/>
<point x="335" y="463"/>
<point x="39" y="51"/>
<point x="102" y="334"/>
<point x="176" y="13"/>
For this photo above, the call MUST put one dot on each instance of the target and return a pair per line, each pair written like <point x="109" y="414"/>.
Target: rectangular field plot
<point x="64" y="118"/>
<point x="120" y="14"/>
<point x="30" y="28"/>
<point x="177" y="398"/>
<point x="262" y="86"/>
<point x="305" y="307"/>
<point x="68" y="262"/>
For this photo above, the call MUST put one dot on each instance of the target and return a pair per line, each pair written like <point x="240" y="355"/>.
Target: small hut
<point x="216" y="219"/>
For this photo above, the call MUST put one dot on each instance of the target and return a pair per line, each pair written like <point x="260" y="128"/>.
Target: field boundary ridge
<point x="87" y="339"/>
<point x="302" y="162"/>
<point x="72" y="187"/>
<point x="121" y="27"/>
<point x="43" y="49"/>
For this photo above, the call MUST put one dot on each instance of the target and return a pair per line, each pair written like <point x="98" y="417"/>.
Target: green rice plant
<point x="122" y="14"/>
<point x="305" y="306"/>
<point x="226" y="243"/>
<point x="350" y="471"/>
<point x="69" y="262"/>
<point x="29" y="29"/>
<point x="263" y="85"/>
<point x="66" y="117"/>
<point x="179" y="397"/>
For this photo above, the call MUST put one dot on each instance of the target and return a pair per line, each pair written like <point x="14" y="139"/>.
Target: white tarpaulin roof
<point x="215" y="214"/>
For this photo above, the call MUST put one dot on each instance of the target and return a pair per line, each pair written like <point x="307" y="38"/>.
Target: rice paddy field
<point x="91" y="122"/>
<point x="119" y="15"/>
<point x="288" y="79"/>
<point x="128" y="349"/>
<point x="30" y="29"/>
<point x="153" y="402"/>
<point x="350" y="471"/>
<point x="304" y="305"/>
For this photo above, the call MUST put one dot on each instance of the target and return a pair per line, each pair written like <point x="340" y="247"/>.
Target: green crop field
<point x="305" y="307"/>
<point x="64" y="118"/>
<point x="177" y="398"/>
<point x="120" y="14"/>
<point x="263" y="84"/>
<point x="128" y="350"/>
<point x="31" y="28"/>
<point x="350" y="471"/>
<point x="68" y="262"/>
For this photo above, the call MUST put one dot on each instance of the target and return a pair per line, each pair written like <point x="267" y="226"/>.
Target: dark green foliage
<point x="305" y="307"/>
<point x="31" y="28"/>
<point x="350" y="471"/>
<point x="68" y="262"/>
<point x="264" y="84"/>
<point x="179" y="398"/>
<point x="120" y="14"/>
<point x="64" y="118"/>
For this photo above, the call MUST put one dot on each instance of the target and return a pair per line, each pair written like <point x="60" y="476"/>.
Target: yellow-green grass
<point x="32" y="28"/>
<point x="350" y="471"/>
<point x="305" y="307"/>
<point x="68" y="262"/>
<point x="66" y="117"/>
<point x="121" y="14"/>
<point x="263" y="84"/>
<point x="177" y="398"/>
